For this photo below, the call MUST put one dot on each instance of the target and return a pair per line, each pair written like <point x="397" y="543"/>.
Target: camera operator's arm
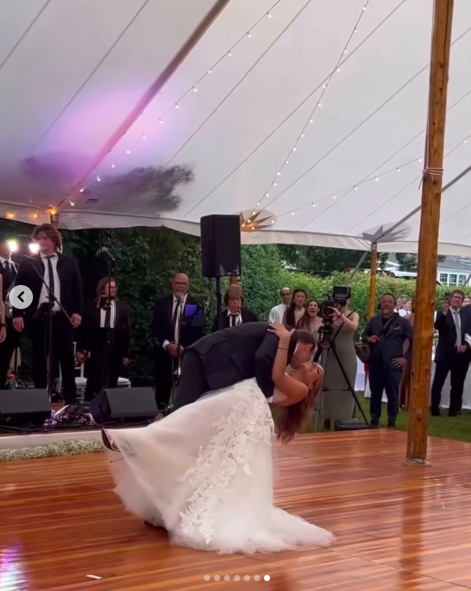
<point x="352" y="321"/>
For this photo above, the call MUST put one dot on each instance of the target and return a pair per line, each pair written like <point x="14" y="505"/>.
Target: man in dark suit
<point x="51" y="272"/>
<point x="104" y="337"/>
<point x="8" y="271"/>
<point x="235" y="313"/>
<point x="175" y="329"/>
<point x="452" y="353"/>
<point x="386" y="334"/>
<point x="239" y="353"/>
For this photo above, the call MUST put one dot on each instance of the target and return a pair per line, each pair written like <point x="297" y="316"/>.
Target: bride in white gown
<point x="205" y="472"/>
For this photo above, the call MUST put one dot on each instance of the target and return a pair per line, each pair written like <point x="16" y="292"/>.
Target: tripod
<point x="322" y="356"/>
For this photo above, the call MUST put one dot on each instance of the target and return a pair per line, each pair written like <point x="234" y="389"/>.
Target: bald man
<point x="175" y="329"/>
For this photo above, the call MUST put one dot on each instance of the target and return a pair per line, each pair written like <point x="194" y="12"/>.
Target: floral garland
<point x="53" y="450"/>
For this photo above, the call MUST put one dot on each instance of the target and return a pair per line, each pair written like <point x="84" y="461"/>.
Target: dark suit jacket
<point x="247" y="316"/>
<point x="391" y="344"/>
<point x="92" y="337"/>
<point x="445" y="325"/>
<point x="240" y="353"/>
<point x="162" y="323"/>
<point x="71" y="284"/>
<point x="8" y="278"/>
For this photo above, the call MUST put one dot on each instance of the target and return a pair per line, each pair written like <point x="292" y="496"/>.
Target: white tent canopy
<point x="71" y="73"/>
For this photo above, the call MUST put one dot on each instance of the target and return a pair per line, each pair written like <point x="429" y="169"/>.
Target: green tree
<point x="409" y="262"/>
<point x="316" y="260"/>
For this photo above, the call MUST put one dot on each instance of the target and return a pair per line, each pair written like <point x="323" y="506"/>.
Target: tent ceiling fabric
<point x="365" y="145"/>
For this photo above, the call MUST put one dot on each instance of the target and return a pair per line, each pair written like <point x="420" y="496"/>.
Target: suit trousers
<point x="457" y="365"/>
<point x="192" y="383"/>
<point x="62" y="351"/>
<point x="383" y="378"/>
<point x="6" y="352"/>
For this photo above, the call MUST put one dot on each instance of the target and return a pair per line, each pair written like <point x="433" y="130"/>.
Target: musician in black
<point x="105" y="336"/>
<point x="8" y="270"/>
<point x="60" y="276"/>
<point x="235" y="312"/>
<point x="174" y="331"/>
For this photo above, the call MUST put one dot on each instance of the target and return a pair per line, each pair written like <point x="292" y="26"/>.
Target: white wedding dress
<point x="205" y="474"/>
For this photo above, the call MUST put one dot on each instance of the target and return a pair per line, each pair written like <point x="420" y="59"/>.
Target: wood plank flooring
<point x="398" y="528"/>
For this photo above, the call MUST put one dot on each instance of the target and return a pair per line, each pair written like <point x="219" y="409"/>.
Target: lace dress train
<point x="205" y="474"/>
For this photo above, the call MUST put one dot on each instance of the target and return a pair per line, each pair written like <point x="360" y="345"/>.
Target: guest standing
<point x="51" y="272"/>
<point x="295" y="312"/>
<point x="277" y="313"/>
<point x="404" y="386"/>
<point x="311" y="320"/>
<point x="235" y="312"/>
<point x="338" y="401"/>
<point x="386" y="334"/>
<point x="173" y="335"/>
<point x="105" y="335"/>
<point x="451" y="355"/>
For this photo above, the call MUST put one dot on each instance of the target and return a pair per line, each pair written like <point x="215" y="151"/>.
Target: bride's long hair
<point x="295" y="418"/>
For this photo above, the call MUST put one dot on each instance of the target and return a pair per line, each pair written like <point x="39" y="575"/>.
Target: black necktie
<point x="51" y="279"/>
<point x="234" y="319"/>
<point x="175" y="316"/>
<point x="108" y="316"/>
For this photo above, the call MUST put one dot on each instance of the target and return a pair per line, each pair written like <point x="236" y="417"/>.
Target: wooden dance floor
<point x="62" y="528"/>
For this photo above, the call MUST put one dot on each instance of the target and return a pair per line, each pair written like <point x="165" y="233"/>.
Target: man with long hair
<point x="55" y="283"/>
<point x="105" y="336"/>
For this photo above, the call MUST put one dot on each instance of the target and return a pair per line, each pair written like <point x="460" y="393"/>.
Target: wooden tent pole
<point x="428" y="237"/>
<point x="373" y="276"/>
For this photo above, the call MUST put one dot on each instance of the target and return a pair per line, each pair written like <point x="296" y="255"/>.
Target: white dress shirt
<point x="6" y="263"/>
<point x="276" y="314"/>
<point x="44" y="296"/>
<point x="112" y="315"/>
<point x="181" y="306"/>
<point x="234" y="319"/>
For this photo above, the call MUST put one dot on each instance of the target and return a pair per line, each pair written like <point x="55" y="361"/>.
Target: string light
<point x="324" y="88"/>
<point x="346" y="190"/>
<point x="113" y="166"/>
<point x="98" y="178"/>
<point x="195" y="89"/>
<point x="249" y="35"/>
<point x="269" y="15"/>
<point x="177" y="106"/>
<point x="128" y="151"/>
<point x="161" y="121"/>
<point x="229" y="54"/>
<point x="144" y="137"/>
<point x="10" y="216"/>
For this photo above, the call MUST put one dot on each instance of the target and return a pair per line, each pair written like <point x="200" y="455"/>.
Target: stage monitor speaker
<point x="220" y="245"/>
<point x="124" y="405"/>
<point x="24" y="407"/>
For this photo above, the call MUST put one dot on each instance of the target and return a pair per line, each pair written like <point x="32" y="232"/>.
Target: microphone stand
<point x="46" y="309"/>
<point x="176" y="373"/>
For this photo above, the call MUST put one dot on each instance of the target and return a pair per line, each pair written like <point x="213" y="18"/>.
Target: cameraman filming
<point x="342" y="323"/>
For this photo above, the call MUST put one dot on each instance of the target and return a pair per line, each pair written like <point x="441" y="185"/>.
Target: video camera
<point x="337" y="299"/>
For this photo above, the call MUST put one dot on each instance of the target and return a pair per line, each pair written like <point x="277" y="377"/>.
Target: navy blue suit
<point x="383" y="374"/>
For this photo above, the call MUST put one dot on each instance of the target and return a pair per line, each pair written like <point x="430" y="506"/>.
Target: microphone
<point x="105" y="251"/>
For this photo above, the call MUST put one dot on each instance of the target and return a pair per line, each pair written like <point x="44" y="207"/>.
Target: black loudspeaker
<point x="350" y="425"/>
<point x="124" y="405"/>
<point x="24" y="407"/>
<point x="220" y="245"/>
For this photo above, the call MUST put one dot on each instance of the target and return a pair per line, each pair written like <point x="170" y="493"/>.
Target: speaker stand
<point x="219" y="302"/>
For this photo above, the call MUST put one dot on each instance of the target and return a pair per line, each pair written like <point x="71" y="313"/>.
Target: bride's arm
<point x="291" y="388"/>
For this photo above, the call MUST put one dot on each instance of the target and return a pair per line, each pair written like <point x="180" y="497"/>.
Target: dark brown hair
<point x="233" y="292"/>
<point x="305" y="320"/>
<point x="290" y="317"/>
<point x="100" y="288"/>
<point x="51" y="232"/>
<point x="457" y="292"/>
<point x="295" y="418"/>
